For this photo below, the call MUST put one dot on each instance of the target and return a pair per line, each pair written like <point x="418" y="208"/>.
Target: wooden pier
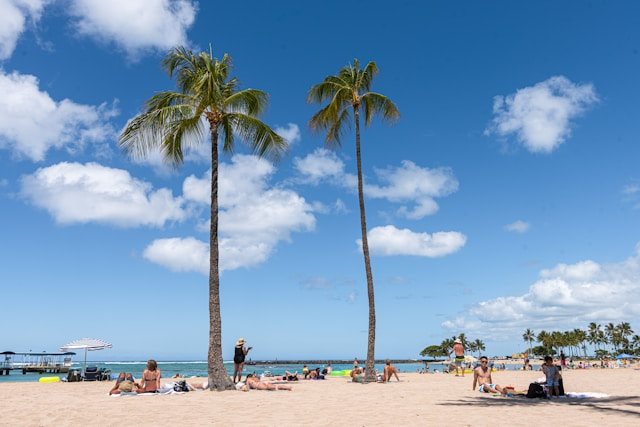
<point x="42" y="362"/>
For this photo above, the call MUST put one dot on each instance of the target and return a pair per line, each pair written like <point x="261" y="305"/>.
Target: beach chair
<point x="91" y="373"/>
<point x="104" y="374"/>
<point x="74" y="376"/>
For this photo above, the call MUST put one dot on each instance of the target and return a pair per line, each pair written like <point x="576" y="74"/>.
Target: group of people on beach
<point x="149" y="383"/>
<point x="150" y="380"/>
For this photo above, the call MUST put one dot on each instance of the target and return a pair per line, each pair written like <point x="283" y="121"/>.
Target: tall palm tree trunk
<point x="370" y="371"/>
<point x="218" y="377"/>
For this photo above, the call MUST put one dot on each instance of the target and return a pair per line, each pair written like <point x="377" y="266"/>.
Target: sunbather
<point x="125" y="383"/>
<point x="150" y="378"/>
<point x="290" y="376"/>
<point x="253" y="383"/>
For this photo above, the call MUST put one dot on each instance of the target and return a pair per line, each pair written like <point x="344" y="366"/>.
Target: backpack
<point x="180" y="386"/>
<point x="535" y="390"/>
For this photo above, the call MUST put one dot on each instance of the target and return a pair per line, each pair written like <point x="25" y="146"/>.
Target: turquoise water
<point x="196" y="369"/>
<point x="199" y="369"/>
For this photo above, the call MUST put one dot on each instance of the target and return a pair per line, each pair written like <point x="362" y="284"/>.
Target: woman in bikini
<point x="252" y="382"/>
<point x="150" y="378"/>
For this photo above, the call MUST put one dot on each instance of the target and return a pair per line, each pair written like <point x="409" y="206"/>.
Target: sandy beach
<point x="418" y="399"/>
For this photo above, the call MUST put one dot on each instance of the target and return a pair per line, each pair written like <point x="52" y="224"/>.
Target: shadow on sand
<point x="622" y="405"/>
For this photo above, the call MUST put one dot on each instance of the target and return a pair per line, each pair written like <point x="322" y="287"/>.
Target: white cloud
<point x="565" y="297"/>
<point x="389" y="240"/>
<point x="319" y="166"/>
<point x="135" y="25"/>
<point x="84" y="193"/>
<point x="253" y="218"/>
<point x="413" y="184"/>
<point x="13" y="18"/>
<point x="291" y="133"/>
<point x="540" y="115"/>
<point x="31" y="123"/>
<point x="188" y="254"/>
<point x="518" y="226"/>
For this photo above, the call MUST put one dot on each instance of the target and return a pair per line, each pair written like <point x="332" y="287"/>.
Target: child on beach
<point x="552" y="372"/>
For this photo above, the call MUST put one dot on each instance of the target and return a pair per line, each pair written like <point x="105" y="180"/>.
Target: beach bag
<point x="74" y="376"/>
<point x="180" y="386"/>
<point x="126" y="386"/>
<point x="535" y="390"/>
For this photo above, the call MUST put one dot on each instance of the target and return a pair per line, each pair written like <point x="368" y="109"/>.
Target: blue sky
<point x="507" y="197"/>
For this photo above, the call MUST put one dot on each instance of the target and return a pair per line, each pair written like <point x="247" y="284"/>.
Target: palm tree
<point x="612" y="335"/>
<point x="348" y="93"/>
<point x="529" y="336"/>
<point x="173" y="121"/>
<point x="479" y="346"/>
<point x="593" y="335"/>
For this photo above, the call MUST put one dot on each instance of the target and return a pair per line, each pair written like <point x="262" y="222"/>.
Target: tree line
<point x="444" y="348"/>
<point x="607" y="340"/>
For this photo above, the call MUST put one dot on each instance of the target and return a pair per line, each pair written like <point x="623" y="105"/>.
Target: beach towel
<point x="586" y="395"/>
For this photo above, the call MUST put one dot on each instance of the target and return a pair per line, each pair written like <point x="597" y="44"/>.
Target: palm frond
<point x="250" y="101"/>
<point x="260" y="138"/>
<point x="377" y="104"/>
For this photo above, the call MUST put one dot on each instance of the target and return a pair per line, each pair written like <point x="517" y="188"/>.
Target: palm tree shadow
<point x="623" y="405"/>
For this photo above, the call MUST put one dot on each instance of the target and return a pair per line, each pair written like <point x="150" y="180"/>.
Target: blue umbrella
<point x="626" y="356"/>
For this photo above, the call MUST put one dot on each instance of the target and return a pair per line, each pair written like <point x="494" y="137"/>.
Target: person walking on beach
<point x="458" y="349"/>
<point x="238" y="359"/>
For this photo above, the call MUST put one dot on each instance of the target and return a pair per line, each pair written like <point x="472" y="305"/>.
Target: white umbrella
<point x="88" y="344"/>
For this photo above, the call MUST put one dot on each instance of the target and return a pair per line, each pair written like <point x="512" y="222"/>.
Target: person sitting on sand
<point x="253" y="383"/>
<point x="305" y="371"/>
<point x="125" y="383"/>
<point x="389" y="370"/>
<point x="316" y="375"/>
<point x="150" y="378"/>
<point x="357" y="375"/>
<point x="327" y="370"/>
<point x="482" y="376"/>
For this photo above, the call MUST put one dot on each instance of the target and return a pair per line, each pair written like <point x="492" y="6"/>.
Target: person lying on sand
<point x="289" y="376"/>
<point x="253" y="383"/>
<point x="482" y="376"/>
<point x="125" y="383"/>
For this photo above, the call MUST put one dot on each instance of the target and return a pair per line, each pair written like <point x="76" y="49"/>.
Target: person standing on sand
<point x="458" y="349"/>
<point x="238" y="359"/>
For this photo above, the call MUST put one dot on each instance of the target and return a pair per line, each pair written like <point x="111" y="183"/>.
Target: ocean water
<point x="189" y="369"/>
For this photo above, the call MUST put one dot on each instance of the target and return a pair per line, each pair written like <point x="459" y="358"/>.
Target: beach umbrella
<point x="469" y="358"/>
<point x="88" y="344"/>
<point x="626" y="356"/>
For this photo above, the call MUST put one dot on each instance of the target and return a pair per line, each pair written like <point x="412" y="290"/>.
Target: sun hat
<point x="240" y="341"/>
<point x="457" y="341"/>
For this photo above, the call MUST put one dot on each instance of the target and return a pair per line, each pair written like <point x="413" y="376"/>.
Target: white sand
<point x="418" y="400"/>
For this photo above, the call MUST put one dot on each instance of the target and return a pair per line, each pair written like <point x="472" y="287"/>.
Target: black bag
<point x="535" y="390"/>
<point x="561" y="387"/>
<point x="180" y="386"/>
<point x="74" y="376"/>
